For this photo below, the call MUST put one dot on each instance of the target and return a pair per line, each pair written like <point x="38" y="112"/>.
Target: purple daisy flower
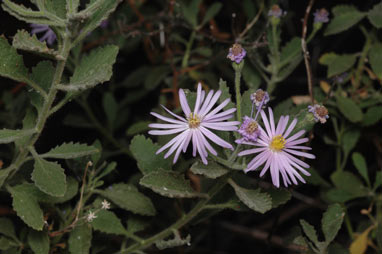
<point x="321" y="16"/>
<point x="49" y="36"/>
<point x="320" y="113"/>
<point x="196" y="124"/>
<point x="276" y="149"/>
<point x="236" y="53"/>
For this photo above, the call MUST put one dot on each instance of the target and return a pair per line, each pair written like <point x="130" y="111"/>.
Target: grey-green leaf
<point x="309" y="231"/>
<point x="49" y="177"/>
<point x="345" y="16"/>
<point x="11" y="63"/>
<point x="340" y="64"/>
<point x="349" y="109"/>
<point x="138" y="127"/>
<point x="80" y="239"/>
<point x="27" y="208"/>
<point x="348" y="182"/>
<point x="254" y="199"/>
<point x="213" y="170"/>
<point x="375" y="59"/>
<point x="169" y="184"/>
<point x="70" y="150"/>
<point x="8" y="136"/>
<point x="38" y="241"/>
<point x="7" y="228"/>
<point x="279" y="196"/>
<point x="108" y="222"/>
<point x="373" y="115"/>
<point x="349" y="140"/>
<point x="360" y="164"/>
<point x="24" y="41"/>
<point x="129" y="198"/>
<point x="95" y="68"/>
<point x="144" y="151"/>
<point x="375" y="15"/>
<point x="332" y="221"/>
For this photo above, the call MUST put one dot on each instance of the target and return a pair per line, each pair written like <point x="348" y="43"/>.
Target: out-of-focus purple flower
<point x="277" y="150"/>
<point x="196" y="124"/>
<point x="104" y="24"/>
<point x="236" y="53"/>
<point x="340" y="78"/>
<point x="320" y="113"/>
<point x="259" y="97"/>
<point x="249" y="130"/>
<point x="49" y="36"/>
<point x="276" y="11"/>
<point x="321" y="16"/>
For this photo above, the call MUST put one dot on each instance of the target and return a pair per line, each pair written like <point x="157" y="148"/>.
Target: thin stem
<point x="361" y="61"/>
<point x="253" y="22"/>
<point x="349" y="227"/>
<point x="188" y="50"/>
<point x="38" y="89"/>
<point x="238" y="93"/>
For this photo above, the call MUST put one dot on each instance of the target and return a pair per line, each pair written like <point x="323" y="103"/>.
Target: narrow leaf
<point x="332" y="221"/>
<point x="169" y="184"/>
<point x="360" y="164"/>
<point x="108" y="222"/>
<point x="80" y="239"/>
<point x="39" y="242"/>
<point x="70" y="150"/>
<point x="309" y="231"/>
<point x="49" y="177"/>
<point x="7" y="136"/>
<point x="213" y="170"/>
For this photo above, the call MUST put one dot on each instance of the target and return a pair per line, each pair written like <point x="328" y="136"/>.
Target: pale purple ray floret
<point x="277" y="149"/>
<point x="49" y="36"/>
<point x="195" y="125"/>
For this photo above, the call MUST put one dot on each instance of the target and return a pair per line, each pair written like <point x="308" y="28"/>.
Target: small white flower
<point x="91" y="216"/>
<point x="105" y="205"/>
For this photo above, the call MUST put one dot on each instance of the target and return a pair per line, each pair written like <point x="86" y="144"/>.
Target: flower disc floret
<point x="196" y="124"/>
<point x="276" y="149"/>
<point x="249" y="130"/>
<point x="236" y="53"/>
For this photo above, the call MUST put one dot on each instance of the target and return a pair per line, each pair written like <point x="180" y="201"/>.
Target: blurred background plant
<point x="53" y="106"/>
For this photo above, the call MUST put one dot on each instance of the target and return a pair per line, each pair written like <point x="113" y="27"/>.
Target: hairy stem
<point x="237" y="91"/>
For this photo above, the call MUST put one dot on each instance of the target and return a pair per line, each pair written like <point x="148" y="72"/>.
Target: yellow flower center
<point x="193" y="120"/>
<point x="277" y="143"/>
<point x="251" y="127"/>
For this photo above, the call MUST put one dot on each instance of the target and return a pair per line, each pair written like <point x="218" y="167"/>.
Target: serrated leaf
<point x="8" y="136"/>
<point x="359" y="245"/>
<point x="4" y="174"/>
<point x="39" y="242"/>
<point x="80" y="239"/>
<point x="7" y="228"/>
<point x="348" y="182"/>
<point x="211" y="12"/>
<point x="27" y="208"/>
<point x="225" y="94"/>
<point x="11" y="63"/>
<point x="169" y="184"/>
<point x="70" y="150"/>
<point x="372" y="116"/>
<point x="42" y="74"/>
<point x="309" y="231"/>
<point x="375" y="59"/>
<point x="144" y="151"/>
<point x="375" y="15"/>
<point x="360" y="164"/>
<point x="332" y="221"/>
<point x="254" y="199"/>
<point x="49" y="177"/>
<point x="156" y="76"/>
<point x="349" y="109"/>
<point x="108" y="222"/>
<point x="345" y="16"/>
<point x="128" y="197"/>
<point x="340" y="64"/>
<point x="279" y="196"/>
<point x="213" y="170"/>
<point x="24" y="41"/>
<point x="95" y="68"/>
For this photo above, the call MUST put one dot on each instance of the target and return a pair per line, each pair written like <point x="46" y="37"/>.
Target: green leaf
<point x="6" y="244"/>
<point x="4" y="174"/>
<point x="349" y="140"/>
<point x="110" y="106"/>
<point x="349" y="109"/>
<point x="378" y="180"/>
<point x="254" y="199"/>
<point x="211" y="12"/>
<point x="340" y="196"/>
<point x="345" y="16"/>
<point x="135" y="224"/>
<point x="375" y="59"/>
<point x="169" y="184"/>
<point x="327" y="58"/>
<point x="372" y="116"/>
<point x="190" y="11"/>
<point x="144" y="151"/>
<point x="138" y="127"/>
<point x="70" y="150"/>
<point x="27" y="208"/>
<point x="39" y="242"/>
<point x="225" y="94"/>
<point x="378" y="233"/>
<point x="316" y="179"/>
<point x="332" y="221"/>
<point x="7" y="228"/>
<point x="348" y="182"/>
<point x="309" y="231"/>
<point x="49" y="177"/>
<point x="24" y="41"/>
<point x="340" y="64"/>
<point x="246" y="103"/>
<point x="80" y="239"/>
<point x="212" y="170"/>
<point x="136" y="77"/>
<point x="203" y="51"/>
<point x="128" y="197"/>
<point x="95" y="68"/>
<point x="42" y="74"/>
<point x="375" y="15"/>
<point x="279" y="196"/>
<point x="108" y="222"/>
<point x="290" y="51"/>
<point x="251" y="77"/>
<point x="8" y="136"/>
<point x="155" y="76"/>
<point x="360" y="163"/>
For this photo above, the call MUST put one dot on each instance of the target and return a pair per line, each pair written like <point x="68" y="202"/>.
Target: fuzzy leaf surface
<point x="24" y="41"/>
<point x="309" y="231"/>
<point x="8" y="136"/>
<point x="70" y="150"/>
<point x="279" y="196"/>
<point x="345" y="16"/>
<point x="80" y="239"/>
<point x="213" y="170"/>
<point x="39" y="242"/>
<point x="332" y="221"/>
<point x="350" y="109"/>
<point x="108" y="222"/>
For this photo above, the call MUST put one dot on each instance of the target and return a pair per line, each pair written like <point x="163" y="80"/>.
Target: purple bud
<point x="236" y="53"/>
<point x="321" y="16"/>
<point x="258" y="96"/>
<point x="320" y="113"/>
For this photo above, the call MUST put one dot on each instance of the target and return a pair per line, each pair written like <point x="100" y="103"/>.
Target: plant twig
<point x="253" y="22"/>
<point x="305" y="50"/>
